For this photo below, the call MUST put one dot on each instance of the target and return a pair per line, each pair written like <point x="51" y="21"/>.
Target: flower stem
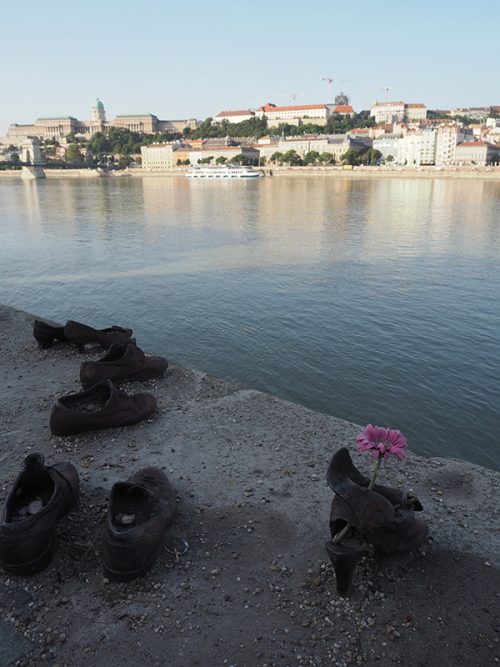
<point x="376" y="468"/>
<point x="338" y="536"/>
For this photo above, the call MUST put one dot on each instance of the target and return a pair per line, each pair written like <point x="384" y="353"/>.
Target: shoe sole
<point x="33" y="566"/>
<point x="121" y="576"/>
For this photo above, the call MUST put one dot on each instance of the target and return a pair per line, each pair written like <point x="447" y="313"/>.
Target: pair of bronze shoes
<point x="102" y="404"/>
<point x="78" y="334"/>
<point x="140" y="511"/>
<point x="383" y="517"/>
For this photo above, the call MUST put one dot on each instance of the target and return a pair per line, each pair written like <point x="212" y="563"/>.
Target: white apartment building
<point x="237" y="116"/>
<point x="157" y="157"/>
<point x="447" y="138"/>
<point x="388" y="145"/>
<point x="476" y="153"/>
<point x="412" y="149"/>
<point x="314" y="113"/>
<point x="394" y="112"/>
<point x="388" y="112"/>
<point x="415" y="112"/>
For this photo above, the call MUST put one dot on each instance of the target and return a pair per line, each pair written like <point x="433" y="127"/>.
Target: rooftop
<point x="55" y="118"/>
<point x="296" y="107"/>
<point x="387" y="104"/>
<point x="136" y="115"/>
<point x="238" y="112"/>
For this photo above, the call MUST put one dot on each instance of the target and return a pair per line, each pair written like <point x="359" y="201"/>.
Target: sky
<point x="195" y="59"/>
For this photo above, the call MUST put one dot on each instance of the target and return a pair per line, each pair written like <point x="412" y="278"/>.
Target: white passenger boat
<point x="225" y="171"/>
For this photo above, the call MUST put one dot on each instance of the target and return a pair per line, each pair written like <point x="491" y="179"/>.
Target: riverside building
<point x="58" y="127"/>
<point x="395" y="112"/>
<point x="295" y="114"/>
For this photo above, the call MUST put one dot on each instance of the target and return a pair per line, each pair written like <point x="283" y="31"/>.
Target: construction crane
<point x="329" y="86"/>
<point x="386" y="90"/>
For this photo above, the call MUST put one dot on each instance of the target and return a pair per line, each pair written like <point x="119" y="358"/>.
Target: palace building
<point x="58" y="127"/>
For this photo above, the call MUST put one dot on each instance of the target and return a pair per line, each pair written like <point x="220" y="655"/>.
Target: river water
<point x="375" y="300"/>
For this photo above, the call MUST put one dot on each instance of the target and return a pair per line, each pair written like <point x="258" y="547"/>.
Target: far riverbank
<point x="489" y="173"/>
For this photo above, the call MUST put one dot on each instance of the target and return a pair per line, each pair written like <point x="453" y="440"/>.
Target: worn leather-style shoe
<point x="41" y="495"/>
<point x="46" y="334"/>
<point x="140" y="512"/>
<point x="102" y="406"/>
<point x="122" y="362"/>
<point x="81" y="335"/>
<point x="384" y="516"/>
<point x="342" y="467"/>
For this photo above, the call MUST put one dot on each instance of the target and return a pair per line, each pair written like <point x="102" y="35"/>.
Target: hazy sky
<point x="194" y="59"/>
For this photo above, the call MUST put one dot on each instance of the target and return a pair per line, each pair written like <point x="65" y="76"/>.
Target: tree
<point x="276" y="158"/>
<point x="99" y="144"/>
<point x="124" y="161"/>
<point x="221" y="160"/>
<point x="326" y="158"/>
<point x="253" y="127"/>
<point x="350" y="157"/>
<point x="73" y="154"/>
<point x="312" y="157"/>
<point x="389" y="158"/>
<point x="14" y="157"/>
<point x="372" y="157"/>
<point x="292" y="158"/>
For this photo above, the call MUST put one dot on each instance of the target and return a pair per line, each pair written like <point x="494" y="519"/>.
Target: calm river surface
<point x="375" y="300"/>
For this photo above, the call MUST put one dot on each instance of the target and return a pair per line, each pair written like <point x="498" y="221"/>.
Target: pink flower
<point x="381" y="442"/>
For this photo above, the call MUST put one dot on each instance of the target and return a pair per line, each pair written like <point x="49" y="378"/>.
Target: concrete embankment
<point x="482" y="173"/>
<point x="254" y="588"/>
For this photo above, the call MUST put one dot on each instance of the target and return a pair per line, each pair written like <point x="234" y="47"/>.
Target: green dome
<point x="99" y="105"/>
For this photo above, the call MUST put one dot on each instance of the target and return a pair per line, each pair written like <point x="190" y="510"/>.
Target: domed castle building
<point x="58" y="127"/>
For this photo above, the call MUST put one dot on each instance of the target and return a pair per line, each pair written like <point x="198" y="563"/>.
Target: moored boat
<point x="225" y="171"/>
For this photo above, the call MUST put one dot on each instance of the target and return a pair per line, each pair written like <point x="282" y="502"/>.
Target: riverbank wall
<point x="243" y="578"/>
<point x="488" y="173"/>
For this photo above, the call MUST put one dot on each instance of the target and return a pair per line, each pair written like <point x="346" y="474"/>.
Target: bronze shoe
<point x="341" y="466"/>
<point x="384" y="516"/>
<point x="122" y="362"/>
<point x="102" y="406"/>
<point x="81" y="335"/>
<point x="140" y="512"/>
<point x="46" y="334"/>
<point x="41" y="495"/>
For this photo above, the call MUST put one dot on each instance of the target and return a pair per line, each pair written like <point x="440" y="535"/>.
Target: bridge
<point x="31" y="162"/>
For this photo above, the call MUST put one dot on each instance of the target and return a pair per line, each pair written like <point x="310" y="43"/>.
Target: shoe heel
<point x="34" y="566"/>
<point x="344" y="561"/>
<point x="44" y="342"/>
